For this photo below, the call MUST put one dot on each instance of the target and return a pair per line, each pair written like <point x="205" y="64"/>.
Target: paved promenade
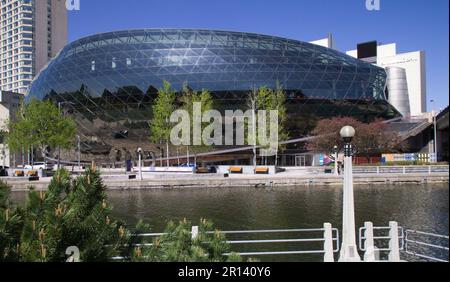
<point x="288" y="178"/>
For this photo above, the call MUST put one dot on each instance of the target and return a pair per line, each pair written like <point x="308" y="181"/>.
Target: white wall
<point x="326" y="42"/>
<point x="353" y="53"/>
<point x="4" y="156"/>
<point x="387" y="50"/>
<point x="414" y="64"/>
<point x="4" y="117"/>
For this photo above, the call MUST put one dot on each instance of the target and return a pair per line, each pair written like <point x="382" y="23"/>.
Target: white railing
<point x="395" y="240"/>
<point x="427" y="245"/>
<point x="400" y="169"/>
<point x="328" y="236"/>
<point x="391" y="238"/>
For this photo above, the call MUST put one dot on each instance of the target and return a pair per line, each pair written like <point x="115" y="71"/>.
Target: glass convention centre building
<point x="109" y="81"/>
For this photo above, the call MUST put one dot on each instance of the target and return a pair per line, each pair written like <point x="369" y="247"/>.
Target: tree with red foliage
<point x="370" y="139"/>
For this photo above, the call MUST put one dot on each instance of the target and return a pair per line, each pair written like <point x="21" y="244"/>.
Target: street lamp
<point x="167" y="146"/>
<point x="59" y="147"/>
<point x="435" y="159"/>
<point x="139" y="151"/>
<point x="161" y="152"/>
<point x="335" y="151"/>
<point x="349" y="251"/>
<point x="79" y="151"/>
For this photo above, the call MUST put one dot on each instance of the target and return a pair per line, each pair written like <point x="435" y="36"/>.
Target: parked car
<point x="39" y="166"/>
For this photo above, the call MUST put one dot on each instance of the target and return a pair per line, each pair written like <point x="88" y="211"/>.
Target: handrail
<point x="421" y="242"/>
<point x="320" y="238"/>
<point x="404" y="238"/>
<point x="362" y="237"/>
<point x="429" y="169"/>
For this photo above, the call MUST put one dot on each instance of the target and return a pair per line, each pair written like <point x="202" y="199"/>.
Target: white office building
<point x="406" y="82"/>
<point x="414" y="66"/>
<point x="31" y="33"/>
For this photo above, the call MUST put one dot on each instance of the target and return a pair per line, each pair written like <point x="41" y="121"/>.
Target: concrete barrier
<point x="164" y="181"/>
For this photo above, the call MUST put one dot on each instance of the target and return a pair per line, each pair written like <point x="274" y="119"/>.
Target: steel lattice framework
<point x="109" y="80"/>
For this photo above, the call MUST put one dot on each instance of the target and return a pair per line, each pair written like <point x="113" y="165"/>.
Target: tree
<point x="270" y="100"/>
<point x="10" y="226"/>
<point x="374" y="138"/>
<point x="77" y="213"/>
<point x="69" y="213"/>
<point x="187" y="100"/>
<point x="370" y="139"/>
<point x="40" y="124"/>
<point x="177" y="245"/>
<point x="3" y="135"/>
<point x="275" y="100"/>
<point x="163" y="108"/>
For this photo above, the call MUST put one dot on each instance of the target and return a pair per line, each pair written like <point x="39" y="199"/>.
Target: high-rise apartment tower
<point x="31" y="33"/>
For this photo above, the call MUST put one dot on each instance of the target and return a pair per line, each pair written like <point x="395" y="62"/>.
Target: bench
<point x="32" y="173"/>
<point x="262" y="170"/>
<point x="19" y="173"/>
<point x="202" y="170"/>
<point x="236" y="170"/>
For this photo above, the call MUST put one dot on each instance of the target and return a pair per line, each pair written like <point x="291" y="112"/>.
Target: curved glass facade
<point x="108" y="81"/>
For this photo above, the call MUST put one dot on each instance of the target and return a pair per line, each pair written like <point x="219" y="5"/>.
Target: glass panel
<point x="112" y="78"/>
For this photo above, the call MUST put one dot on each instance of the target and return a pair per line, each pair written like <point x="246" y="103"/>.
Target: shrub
<point x="76" y="213"/>
<point x="69" y="213"/>
<point x="177" y="245"/>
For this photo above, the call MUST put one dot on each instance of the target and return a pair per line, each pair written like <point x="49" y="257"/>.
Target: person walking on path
<point x="128" y="160"/>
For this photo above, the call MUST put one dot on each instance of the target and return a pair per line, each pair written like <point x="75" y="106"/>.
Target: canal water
<point x="420" y="207"/>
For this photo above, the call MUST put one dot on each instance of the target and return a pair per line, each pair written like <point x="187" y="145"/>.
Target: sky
<point x="412" y="24"/>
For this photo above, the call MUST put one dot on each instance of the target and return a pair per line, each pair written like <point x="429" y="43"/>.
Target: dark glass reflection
<point x="110" y="80"/>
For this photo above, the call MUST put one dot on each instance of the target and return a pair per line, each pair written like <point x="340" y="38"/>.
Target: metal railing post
<point x="394" y="249"/>
<point x="194" y="232"/>
<point x="328" y="243"/>
<point x="371" y="252"/>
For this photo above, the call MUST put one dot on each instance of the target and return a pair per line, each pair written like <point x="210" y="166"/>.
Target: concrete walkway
<point x="175" y="181"/>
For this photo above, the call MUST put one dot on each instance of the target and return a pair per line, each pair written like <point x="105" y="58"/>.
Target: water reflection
<point x="422" y="207"/>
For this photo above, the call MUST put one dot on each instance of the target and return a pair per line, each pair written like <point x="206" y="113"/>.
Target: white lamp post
<point x="336" y="151"/>
<point x="434" y="114"/>
<point x="139" y="150"/>
<point x="79" y="151"/>
<point x="349" y="251"/>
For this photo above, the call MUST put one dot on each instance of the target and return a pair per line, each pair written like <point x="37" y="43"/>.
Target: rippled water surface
<point x="422" y="207"/>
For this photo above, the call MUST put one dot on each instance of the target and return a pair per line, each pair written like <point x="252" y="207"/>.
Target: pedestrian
<point x="128" y="162"/>
<point x="118" y="155"/>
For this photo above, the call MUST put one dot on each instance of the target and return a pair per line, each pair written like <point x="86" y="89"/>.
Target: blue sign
<point x="321" y="160"/>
